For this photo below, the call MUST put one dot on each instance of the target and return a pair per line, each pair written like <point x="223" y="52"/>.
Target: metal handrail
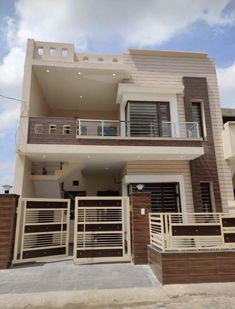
<point x="96" y="127"/>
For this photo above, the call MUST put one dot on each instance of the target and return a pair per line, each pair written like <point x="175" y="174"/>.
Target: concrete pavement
<point x="108" y="286"/>
<point x="66" y="276"/>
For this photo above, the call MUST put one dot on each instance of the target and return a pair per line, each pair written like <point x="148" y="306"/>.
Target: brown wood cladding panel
<point x="43" y="252"/>
<point x="198" y="230"/>
<point x="70" y="139"/>
<point x="229" y="237"/>
<point x="44" y="205"/>
<point x="8" y="204"/>
<point x="136" y="142"/>
<point x="140" y="226"/>
<point x="44" y="228"/>
<point x="97" y="203"/>
<point x="99" y="253"/>
<point x="228" y="222"/>
<point x="203" y="168"/>
<point x="199" y="267"/>
<point x="45" y="137"/>
<point x="99" y="227"/>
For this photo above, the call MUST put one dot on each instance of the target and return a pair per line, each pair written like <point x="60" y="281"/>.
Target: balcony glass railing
<point x="112" y="128"/>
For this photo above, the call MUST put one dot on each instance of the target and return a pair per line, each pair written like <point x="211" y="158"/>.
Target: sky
<point x="109" y="26"/>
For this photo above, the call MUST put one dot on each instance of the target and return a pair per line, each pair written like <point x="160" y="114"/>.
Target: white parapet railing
<point x="152" y="129"/>
<point x="192" y="231"/>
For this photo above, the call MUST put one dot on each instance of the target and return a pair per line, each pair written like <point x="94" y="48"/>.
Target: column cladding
<point x="140" y="226"/>
<point x="8" y="204"/>
<point x="203" y="168"/>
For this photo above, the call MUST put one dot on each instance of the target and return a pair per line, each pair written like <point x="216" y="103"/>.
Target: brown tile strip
<point x="198" y="267"/>
<point x="203" y="168"/>
<point x="140" y="226"/>
<point x="71" y="139"/>
<point x="8" y="204"/>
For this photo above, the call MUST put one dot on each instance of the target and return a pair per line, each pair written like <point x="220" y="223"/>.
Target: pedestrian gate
<point x="42" y="229"/>
<point x="101" y="229"/>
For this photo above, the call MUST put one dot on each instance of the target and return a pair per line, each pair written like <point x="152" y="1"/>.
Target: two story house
<point x="108" y="126"/>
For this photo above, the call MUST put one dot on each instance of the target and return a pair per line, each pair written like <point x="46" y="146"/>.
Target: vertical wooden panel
<point x="140" y="226"/>
<point x="8" y="204"/>
<point x="203" y="168"/>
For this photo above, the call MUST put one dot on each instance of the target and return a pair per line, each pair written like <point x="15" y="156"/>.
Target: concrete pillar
<point x="8" y="205"/>
<point x="141" y="207"/>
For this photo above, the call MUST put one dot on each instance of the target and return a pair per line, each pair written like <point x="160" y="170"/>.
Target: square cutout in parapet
<point x="75" y="182"/>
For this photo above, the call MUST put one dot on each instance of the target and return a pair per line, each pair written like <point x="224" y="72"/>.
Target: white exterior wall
<point x="22" y="183"/>
<point x="38" y="105"/>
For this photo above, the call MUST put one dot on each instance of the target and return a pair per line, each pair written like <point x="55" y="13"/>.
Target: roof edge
<point x="167" y="53"/>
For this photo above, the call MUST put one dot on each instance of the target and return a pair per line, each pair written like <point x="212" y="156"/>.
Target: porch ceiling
<point x="79" y="88"/>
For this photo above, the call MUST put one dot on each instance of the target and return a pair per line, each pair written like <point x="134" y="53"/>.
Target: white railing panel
<point x="192" y="231"/>
<point x="112" y="128"/>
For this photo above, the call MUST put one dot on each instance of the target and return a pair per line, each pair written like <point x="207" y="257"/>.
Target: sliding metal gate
<point x="42" y="230"/>
<point x="102" y="229"/>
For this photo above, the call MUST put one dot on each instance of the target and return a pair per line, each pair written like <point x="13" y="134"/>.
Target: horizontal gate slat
<point x="43" y="205"/>
<point x="97" y="203"/>
<point x="100" y="227"/>
<point x="43" y="252"/>
<point x="44" y="228"/>
<point x="99" y="253"/>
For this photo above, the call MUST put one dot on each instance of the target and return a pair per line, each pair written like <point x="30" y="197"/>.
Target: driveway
<point x="66" y="276"/>
<point x="63" y="285"/>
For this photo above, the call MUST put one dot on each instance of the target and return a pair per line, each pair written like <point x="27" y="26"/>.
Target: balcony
<point x="60" y="130"/>
<point x="129" y="140"/>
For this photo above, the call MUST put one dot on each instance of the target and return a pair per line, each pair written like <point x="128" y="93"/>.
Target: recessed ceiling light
<point x="79" y="73"/>
<point x="114" y="74"/>
<point x="48" y="71"/>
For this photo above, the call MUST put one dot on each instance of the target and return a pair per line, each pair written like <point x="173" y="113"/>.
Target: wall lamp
<point x="140" y="187"/>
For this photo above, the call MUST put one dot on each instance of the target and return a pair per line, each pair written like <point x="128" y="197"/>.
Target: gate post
<point x="141" y="207"/>
<point x="8" y="205"/>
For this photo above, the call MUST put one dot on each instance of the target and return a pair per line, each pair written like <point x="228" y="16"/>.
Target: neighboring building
<point x="228" y="115"/>
<point x="110" y="125"/>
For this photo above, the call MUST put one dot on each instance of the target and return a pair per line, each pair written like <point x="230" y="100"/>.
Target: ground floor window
<point x="165" y="196"/>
